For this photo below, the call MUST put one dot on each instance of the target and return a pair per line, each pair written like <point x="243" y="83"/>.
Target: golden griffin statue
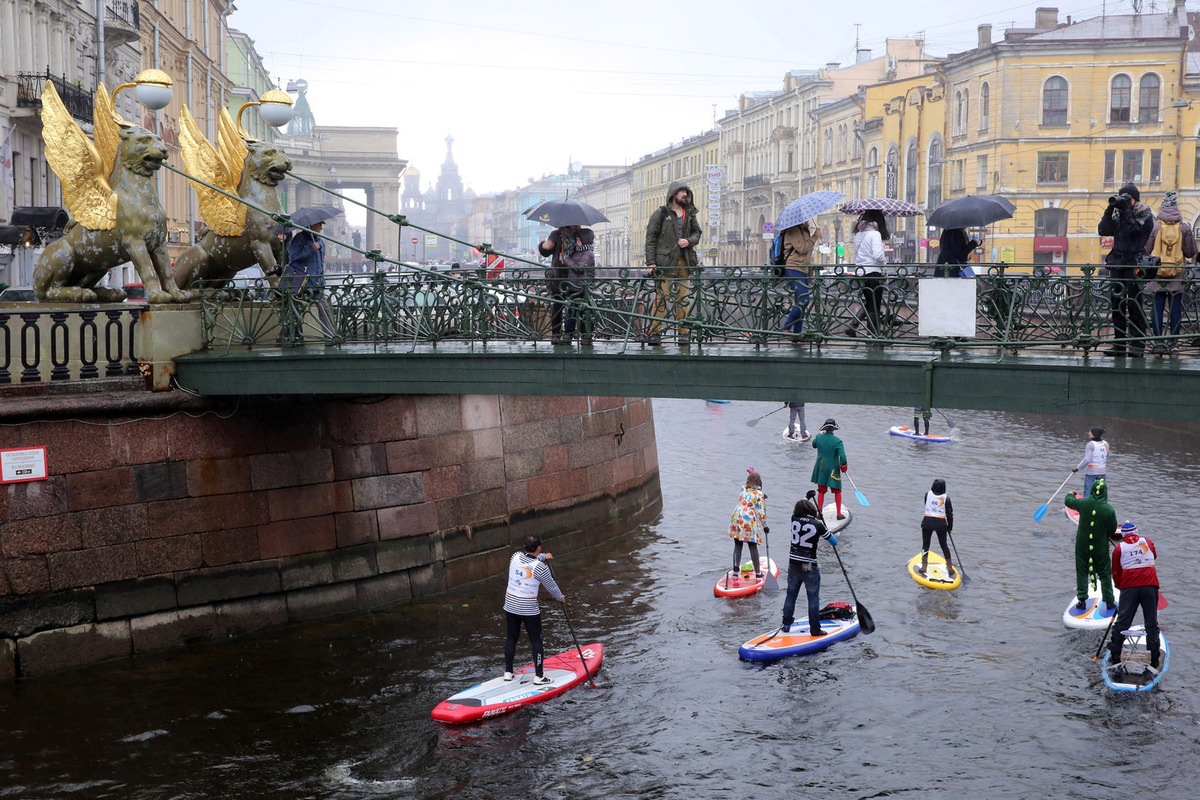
<point x="238" y="236"/>
<point x="110" y="189"/>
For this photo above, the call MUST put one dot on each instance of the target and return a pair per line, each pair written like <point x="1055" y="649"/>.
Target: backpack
<point x="836" y="611"/>
<point x="776" y="255"/>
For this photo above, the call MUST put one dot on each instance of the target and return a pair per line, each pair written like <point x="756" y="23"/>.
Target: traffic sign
<point x="414" y="240"/>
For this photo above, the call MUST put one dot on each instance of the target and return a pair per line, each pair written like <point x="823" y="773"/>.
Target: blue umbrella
<point x="802" y="209"/>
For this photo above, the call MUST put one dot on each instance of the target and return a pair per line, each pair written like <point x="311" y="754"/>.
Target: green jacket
<point x="831" y="457"/>
<point x="663" y="232"/>
<point x="1097" y="520"/>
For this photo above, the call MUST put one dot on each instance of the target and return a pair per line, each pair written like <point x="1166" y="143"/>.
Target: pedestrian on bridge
<point x="1174" y="245"/>
<point x="831" y="464"/>
<point x="798" y="243"/>
<point x="304" y="279"/>
<point x="671" y="238"/>
<point x="572" y="265"/>
<point x="870" y="232"/>
<point x="1130" y="222"/>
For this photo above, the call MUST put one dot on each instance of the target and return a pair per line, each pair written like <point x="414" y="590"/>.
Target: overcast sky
<point x="526" y="88"/>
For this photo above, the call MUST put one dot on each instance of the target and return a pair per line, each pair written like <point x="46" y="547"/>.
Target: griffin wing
<point x="223" y="215"/>
<point x="78" y="165"/>
<point x="231" y="146"/>
<point x="105" y="129"/>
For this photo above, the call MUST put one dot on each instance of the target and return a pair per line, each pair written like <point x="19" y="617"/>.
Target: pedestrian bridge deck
<point x="1039" y="382"/>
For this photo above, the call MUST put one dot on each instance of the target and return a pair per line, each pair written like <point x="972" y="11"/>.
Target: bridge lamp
<point x="152" y="88"/>
<point x="274" y="106"/>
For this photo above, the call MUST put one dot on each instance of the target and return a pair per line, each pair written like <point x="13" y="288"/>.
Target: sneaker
<point x="785" y="629"/>
<point x="758" y="574"/>
<point x="817" y="632"/>
<point x="849" y="332"/>
<point x="793" y="436"/>
<point x="586" y="341"/>
<point x="1081" y="605"/>
<point x="542" y="680"/>
<point x="805" y="437"/>
<point x="841" y="516"/>
<point x="654" y="340"/>
<point x="508" y="676"/>
<point x="1154" y="658"/>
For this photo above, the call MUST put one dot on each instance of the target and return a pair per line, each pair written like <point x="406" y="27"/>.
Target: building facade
<point x="611" y="197"/>
<point x="689" y="161"/>
<point x="249" y="79"/>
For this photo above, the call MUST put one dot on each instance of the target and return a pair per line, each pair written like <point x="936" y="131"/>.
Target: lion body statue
<point x="72" y="265"/>
<point x="216" y="257"/>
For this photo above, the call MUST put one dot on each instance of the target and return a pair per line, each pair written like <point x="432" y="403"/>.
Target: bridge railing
<point x="1015" y="309"/>
<point x="56" y="344"/>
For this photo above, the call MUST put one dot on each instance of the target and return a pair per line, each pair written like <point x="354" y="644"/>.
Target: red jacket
<point x="1133" y="562"/>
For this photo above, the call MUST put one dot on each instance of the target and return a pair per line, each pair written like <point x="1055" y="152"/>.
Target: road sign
<point x="414" y="240"/>
<point x="768" y="227"/>
<point x="430" y="240"/>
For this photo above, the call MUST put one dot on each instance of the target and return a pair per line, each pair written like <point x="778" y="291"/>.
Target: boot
<point x="1154" y="654"/>
<point x="926" y="427"/>
<point x="916" y="425"/>
<point x="924" y="565"/>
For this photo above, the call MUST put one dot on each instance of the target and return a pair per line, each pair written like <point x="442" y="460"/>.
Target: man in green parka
<point x="1097" y="526"/>
<point x="831" y="463"/>
<point x="671" y="238"/>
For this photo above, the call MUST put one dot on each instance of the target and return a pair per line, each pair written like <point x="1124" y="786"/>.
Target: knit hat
<point x="1097" y="433"/>
<point x="1170" y="200"/>
<point x="1127" y="528"/>
<point x="1131" y="190"/>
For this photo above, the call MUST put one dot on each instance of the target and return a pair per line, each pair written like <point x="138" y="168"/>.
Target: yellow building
<point x="690" y="161"/>
<point x="1059" y="116"/>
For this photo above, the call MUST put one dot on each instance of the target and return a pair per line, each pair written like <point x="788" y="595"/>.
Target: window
<point x="1155" y="165"/>
<point x="1196" y="169"/>
<point x="981" y="178"/>
<point x="1054" y="101"/>
<point x="961" y="113"/>
<point x="958" y="172"/>
<point x="873" y="182"/>
<point x="1110" y="166"/>
<point x="1131" y="166"/>
<point x="985" y="99"/>
<point x="1118" y="107"/>
<point x="1050" y="222"/>
<point x="873" y="157"/>
<point x="1052" y="167"/>
<point x="1148" y="99"/>
<point x="910" y="174"/>
<point x="828" y="158"/>
<point x="933" y="179"/>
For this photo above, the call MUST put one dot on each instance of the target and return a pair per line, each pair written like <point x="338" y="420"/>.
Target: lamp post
<point x="152" y="87"/>
<point x="274" y="106"/>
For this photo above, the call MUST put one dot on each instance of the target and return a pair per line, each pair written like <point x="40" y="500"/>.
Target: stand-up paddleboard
<point x="1072" y="513"/>
<point x="1094" y="615"/>
<point x="800" y="437"/>
<point x="909" y="433"/>
<point x="741" y="582"/>
<point x="830" y="518"/>
<point x="499" y="696"/>
<point x="716" y="401"/>
<point x="1133" y="672"/>
<point x="936" y="575"/>
<point x="798" y="641"/>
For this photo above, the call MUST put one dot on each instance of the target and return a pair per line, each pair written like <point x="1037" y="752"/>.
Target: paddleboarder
<point x="1134" y="573"/>
<point x="1095" y="459"/>
<point x="796" y="427"/>
<point x="1097" y="524"/>
<point x="528" y="572"/>
<point x="807" y="527"/>
<point x="749" y="521"/>
<point x="939" y="517"/>
<point x="831" y="464"/>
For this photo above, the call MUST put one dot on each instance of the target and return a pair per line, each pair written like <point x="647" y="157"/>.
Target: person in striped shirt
<point x="528" y="572"/>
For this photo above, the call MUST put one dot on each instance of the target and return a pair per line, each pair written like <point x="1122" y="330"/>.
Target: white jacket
<point x="868" y="249"/>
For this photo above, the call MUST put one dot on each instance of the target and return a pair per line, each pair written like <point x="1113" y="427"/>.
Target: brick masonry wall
<point x="152" y="533"/>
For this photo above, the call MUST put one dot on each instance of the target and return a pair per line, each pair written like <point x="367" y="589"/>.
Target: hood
<point x="1100" y="490"/>
<point x="939" y="486"/>
<point x="1170" y="214"/>
<point x="675" y="187"/>
<point x="585" y="235"/>
<point x="1131" y="538"/>
<point x="1131" y="190"/>
<point x="863" y="225"/>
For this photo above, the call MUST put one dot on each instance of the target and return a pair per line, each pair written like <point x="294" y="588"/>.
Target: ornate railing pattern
<point x="58" y="344"/>
<point x="77" y="100"/>
<point x="747" y="305"/>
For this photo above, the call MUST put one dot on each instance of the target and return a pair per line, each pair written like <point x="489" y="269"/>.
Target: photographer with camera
<point x="1130" y="222"/>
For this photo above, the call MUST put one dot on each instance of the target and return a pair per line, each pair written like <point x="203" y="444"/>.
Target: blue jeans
<point x="811" y="578"/>
<point x="1088" y="480"/>
<point x="800" y="286"/>
<point x="1161" y="300"/>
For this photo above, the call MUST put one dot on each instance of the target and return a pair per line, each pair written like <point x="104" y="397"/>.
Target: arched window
<point x="873" y="158"/>
<point x="1118" y="106"/>
<point x="1148" y="98"/>
<point x="1054" y="101"/>
<point x="910" y="173"/>
<point x="961" y="104"/>
<point x="985" y="98"/>
<point x="933" y="180"/>
<point x="828" y="158"/>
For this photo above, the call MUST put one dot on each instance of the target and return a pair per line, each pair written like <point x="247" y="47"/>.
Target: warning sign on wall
<point x="25" y="464"/>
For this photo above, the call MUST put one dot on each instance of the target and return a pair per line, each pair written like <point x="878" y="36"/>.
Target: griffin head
<point x="141" y="152"/>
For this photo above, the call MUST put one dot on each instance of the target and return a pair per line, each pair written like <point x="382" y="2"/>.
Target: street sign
<point x="430" y="240"/>
<point x="23" y="464"/>
<point x="768" y="227"/>
<point x="414" y="240"/>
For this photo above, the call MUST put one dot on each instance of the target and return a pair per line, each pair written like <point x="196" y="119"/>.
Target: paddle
<point x="574" y="638"/>
<point x="770" y="582"/>
<point x="1041" y="512"/>
<point x="756" y="420"/>
<point x="958" y="558"/>
<point x="864" y="617"/>
<point x="955" y="433"/>
<point x="862" y="498"/>
<point x="1104" y="638"/>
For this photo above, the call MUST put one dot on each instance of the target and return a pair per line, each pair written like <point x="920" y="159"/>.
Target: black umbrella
<point x="559" y="213"/>
<point x="970" y="211"/>
<point x="310" y="215"/>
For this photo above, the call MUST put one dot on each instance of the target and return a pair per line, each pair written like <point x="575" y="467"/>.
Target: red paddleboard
<point x="498" y="696"/>
<point x="1072" y="514"/>
<point x="742" y="582"/>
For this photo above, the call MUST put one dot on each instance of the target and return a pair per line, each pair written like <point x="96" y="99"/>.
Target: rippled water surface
<point x="977" y="693"/>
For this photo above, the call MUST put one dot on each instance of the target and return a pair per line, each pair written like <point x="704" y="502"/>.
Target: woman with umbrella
<point x="955" y="250"/>
<point x="799" y="239"/>
<point x="870" y="232"/>
<point x="572" y="264"/>
<point x="305" y="271"/>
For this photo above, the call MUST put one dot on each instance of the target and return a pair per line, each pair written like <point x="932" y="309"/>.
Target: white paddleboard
<point x="829" y="516"/>
<point x="800" y="438"/>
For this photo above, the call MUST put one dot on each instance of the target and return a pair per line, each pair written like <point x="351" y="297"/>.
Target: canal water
<point x="980" y="692"/>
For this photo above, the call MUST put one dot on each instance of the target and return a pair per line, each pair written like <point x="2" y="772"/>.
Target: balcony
<point x="756" y="180"/>
<point x="122" y="22"/>
<point x="29" y="94"/>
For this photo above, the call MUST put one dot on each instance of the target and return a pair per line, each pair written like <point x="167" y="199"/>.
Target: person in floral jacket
<point x="749" y="521"/>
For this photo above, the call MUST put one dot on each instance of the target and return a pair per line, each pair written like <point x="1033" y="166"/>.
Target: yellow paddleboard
<point x="936" y="575"/>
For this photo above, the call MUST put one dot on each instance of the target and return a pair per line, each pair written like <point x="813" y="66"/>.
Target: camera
<point x="1120" y="201"/>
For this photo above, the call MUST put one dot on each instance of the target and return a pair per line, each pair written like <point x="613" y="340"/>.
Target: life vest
<point x="1136" y="555"/>
<point x="935" y="505"/>
<point x="521" y="582"/>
